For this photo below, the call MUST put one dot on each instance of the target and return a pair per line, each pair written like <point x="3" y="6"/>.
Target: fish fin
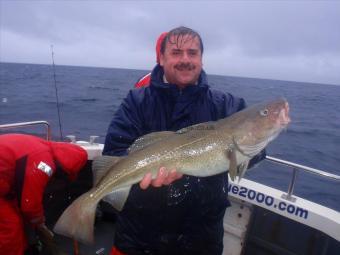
<point x="206" y="126"/>
<point x="118" y="197"/>
<point x="241" y="170"/>
<point x="148" y="139"/>
<point x="77" y="221"/>
<point x="101" y="165"/>
<point x="231" y="155"/>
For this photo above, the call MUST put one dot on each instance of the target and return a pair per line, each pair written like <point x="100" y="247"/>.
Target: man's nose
<point x="185" y="57"/>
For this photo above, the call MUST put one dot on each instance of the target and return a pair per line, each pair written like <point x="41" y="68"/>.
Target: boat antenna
<point x="56" y="94"/>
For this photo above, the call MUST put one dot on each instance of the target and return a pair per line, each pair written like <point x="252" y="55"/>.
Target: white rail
<point x="28" y="124"/>
<point x="297" y="167"/>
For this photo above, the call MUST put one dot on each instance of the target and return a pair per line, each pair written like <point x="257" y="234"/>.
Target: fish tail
<point x="77" y="221"/>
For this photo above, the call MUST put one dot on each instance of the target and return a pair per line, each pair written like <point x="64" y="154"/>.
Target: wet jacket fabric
<point x="185" y="217"/>
<point x="26" y="165"/>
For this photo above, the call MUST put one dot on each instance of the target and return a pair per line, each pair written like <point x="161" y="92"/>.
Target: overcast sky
<point x="285" y="40"/>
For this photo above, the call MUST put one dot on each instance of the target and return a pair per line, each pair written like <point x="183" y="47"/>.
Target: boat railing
<point x="296" y="167"/>
<point x="29" y="124"/>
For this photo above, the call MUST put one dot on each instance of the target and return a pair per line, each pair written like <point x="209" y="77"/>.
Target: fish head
<point x="258" y="125"/>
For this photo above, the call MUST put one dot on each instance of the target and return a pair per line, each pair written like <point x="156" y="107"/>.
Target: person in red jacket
<point x="27" y="163"/>
<point x="145" y="80"/>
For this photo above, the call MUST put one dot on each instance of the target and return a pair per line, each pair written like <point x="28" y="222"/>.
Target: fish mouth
<point x="284" y="119"/>
<point x="250" y="150"/>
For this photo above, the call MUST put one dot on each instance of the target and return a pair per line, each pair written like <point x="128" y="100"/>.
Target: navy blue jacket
<point x="185" y="217"/>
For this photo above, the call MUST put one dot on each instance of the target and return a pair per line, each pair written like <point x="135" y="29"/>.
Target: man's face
<point x="182" y="61"/>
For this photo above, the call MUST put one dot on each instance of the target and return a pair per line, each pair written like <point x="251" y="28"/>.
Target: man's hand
<point x="164" y="177"/>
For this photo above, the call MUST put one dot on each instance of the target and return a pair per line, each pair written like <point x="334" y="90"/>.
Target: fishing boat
<point x="261" y="220"/>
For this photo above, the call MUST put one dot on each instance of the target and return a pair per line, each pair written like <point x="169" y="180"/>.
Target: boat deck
<point x="104" y="233"/>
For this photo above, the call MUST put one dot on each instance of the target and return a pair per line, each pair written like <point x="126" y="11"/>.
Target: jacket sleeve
<point x="125" y="127"/>
<point x="225" y="105"/>
<point x="7" y="165"/>
<point x="39" y="168"/>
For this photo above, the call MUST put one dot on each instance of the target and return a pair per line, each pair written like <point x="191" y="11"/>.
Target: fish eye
<point x="264" y="112"/>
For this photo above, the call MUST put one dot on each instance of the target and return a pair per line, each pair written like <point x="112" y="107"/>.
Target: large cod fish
<point x="200" y="150"/>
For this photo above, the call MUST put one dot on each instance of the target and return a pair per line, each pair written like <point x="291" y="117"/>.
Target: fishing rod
<point x="75" y="242"/>
<point x="56" y="94"/>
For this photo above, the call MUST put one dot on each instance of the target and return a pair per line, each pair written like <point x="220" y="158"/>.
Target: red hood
<point x="158" y="45"/>
<point x="71" y="157"/>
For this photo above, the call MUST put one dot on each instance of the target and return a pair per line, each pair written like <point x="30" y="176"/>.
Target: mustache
<point x="185" y="66"/>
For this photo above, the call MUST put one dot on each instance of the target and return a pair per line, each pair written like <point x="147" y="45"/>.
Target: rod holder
<point x="289" y="194"/>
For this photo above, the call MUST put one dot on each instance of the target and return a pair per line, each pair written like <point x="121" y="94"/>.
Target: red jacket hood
<point x="71" y="157"/>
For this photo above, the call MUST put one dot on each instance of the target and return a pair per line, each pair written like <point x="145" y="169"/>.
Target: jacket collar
<point x="157" y="82"/>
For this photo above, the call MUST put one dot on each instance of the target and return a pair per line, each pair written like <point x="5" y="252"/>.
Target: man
<point x="184" y="216"/>
<point x="27" y="163"/>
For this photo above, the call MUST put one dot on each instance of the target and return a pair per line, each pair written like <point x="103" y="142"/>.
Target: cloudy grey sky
<point x="285" y="40"/>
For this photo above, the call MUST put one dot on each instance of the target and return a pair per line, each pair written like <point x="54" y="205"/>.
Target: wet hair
<point x="179" y="33"/>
